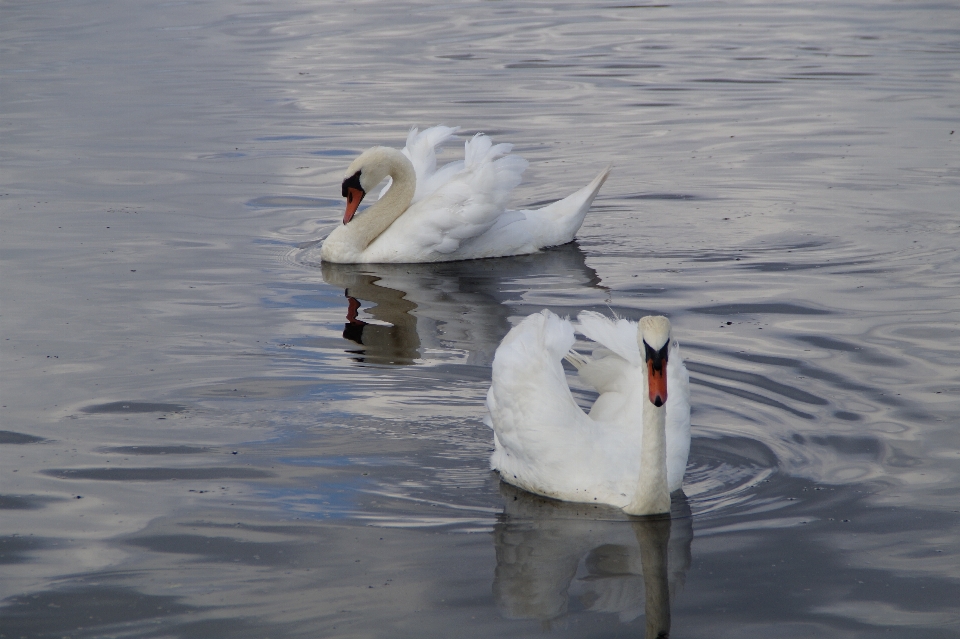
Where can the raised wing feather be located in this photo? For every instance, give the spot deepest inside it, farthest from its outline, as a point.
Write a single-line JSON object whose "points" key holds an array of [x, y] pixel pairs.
{"points": [[421, 150], [468, 203], [618, 336]]}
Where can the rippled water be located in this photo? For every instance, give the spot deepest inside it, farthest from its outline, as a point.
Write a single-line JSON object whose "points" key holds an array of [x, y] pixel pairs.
{"points": [[208, 434]]}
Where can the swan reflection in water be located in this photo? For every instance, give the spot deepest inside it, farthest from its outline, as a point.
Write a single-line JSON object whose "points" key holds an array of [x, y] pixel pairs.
{"points": [[550, 551], [461, 306]]}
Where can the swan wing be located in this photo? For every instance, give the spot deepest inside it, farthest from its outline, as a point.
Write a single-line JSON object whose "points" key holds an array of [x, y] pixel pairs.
{"points": [[544, 443], [617, 335], [465, 206], [604, 371], [678, 418], [421, 150]]}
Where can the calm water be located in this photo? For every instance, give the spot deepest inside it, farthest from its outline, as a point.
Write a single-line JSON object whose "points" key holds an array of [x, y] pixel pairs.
{"points": [[198, 442]]}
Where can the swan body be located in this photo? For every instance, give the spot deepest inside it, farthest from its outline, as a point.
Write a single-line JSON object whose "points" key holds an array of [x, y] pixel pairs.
{"points": [[628, 452], [457, 212]]}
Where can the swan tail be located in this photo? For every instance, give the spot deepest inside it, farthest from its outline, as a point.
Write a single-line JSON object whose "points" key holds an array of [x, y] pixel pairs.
{"points": [[561, 220]]}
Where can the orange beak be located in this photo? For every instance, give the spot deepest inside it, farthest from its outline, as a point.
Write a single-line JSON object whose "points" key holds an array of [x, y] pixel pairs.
{"points": [[657, 381], [354, 196]]}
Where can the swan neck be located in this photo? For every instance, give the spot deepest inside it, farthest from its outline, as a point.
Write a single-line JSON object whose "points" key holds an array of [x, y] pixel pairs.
{"points": [[378, 217], [653, 495]]}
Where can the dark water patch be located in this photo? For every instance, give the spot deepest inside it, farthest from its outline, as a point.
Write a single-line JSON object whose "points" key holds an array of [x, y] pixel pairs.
{"points": [[775, 267], [652, 291], [292, 201], [755, 397], [850, 446], [784, 308], [807, 370], [334, 153], [262, 388], [14, 549], [876, 599], [847, 416], [538, 64], [829, 343], [832, 74], [625, 65], [735, 81], [744, 255], [541, 203], [283, 138], [641, 6], [767, 360], [490, 101], [664, 196], [733, 451], [220, 549], [650, 105], [112, 408], [156, 450], [864, 354], [88, 611], [156, 474], [13, 437], [899, 458], [759, 381], [24, 502]]}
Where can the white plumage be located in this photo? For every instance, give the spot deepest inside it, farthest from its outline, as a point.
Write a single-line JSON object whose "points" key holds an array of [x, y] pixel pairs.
{"points": [[457, 212], [546, 444]]}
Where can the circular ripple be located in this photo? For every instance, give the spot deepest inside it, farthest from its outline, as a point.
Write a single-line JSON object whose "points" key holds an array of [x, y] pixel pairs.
{"points": [[723, 471]]}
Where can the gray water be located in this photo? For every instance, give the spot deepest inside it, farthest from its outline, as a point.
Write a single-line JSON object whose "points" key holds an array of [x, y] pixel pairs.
{"points": [[198, 442]]}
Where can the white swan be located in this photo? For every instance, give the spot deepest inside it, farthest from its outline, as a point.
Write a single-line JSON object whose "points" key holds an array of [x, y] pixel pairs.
{"points": [[630, 451], [454, 213]]}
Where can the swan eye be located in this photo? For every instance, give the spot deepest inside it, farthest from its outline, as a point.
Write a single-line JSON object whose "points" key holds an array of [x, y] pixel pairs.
{"points": [[352, 182]]}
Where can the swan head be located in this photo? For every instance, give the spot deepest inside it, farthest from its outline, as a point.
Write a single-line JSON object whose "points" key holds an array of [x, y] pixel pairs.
{"points": [[654, 338], [365, 173]]}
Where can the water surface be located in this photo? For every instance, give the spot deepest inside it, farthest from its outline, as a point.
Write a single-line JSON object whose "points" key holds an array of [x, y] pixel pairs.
{"points": [[207, 434]]}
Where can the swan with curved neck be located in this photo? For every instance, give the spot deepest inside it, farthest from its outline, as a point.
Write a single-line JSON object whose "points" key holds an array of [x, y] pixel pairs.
{"points": [[365, 173], [630, 451], [455, 213]]}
